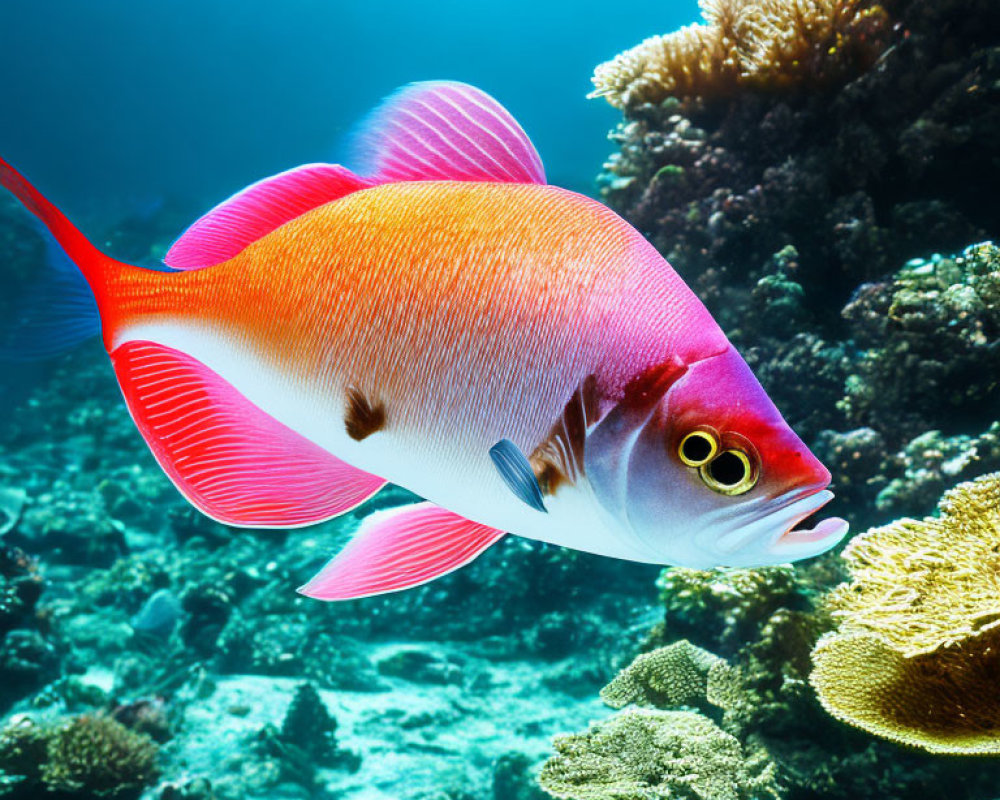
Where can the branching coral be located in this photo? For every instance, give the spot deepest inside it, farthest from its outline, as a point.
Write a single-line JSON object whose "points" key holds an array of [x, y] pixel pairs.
{"points": [[647, 755], [86, 756], [767, 44], [917, 654]]}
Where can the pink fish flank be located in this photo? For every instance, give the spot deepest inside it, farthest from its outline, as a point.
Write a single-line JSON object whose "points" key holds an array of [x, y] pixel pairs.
{"points": [[514, 353]]}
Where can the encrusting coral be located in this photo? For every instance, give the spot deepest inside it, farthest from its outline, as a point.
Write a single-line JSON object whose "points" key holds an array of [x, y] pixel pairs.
{"points": [[917, 654], [748, 43], [643, 754], [930, 335], [723, 609]]}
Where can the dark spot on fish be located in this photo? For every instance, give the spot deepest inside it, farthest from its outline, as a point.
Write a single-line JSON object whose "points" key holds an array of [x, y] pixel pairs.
{"points": [[363, 418]]}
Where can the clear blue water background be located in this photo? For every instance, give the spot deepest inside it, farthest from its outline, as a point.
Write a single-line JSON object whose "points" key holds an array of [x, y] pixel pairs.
{"points": [[118, 103]]}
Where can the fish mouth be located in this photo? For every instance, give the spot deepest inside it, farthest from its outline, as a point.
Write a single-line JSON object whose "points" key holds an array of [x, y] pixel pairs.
{"points": [[791, 543], [773, 538]]}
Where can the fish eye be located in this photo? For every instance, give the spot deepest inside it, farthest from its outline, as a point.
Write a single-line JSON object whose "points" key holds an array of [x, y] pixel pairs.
{"points": [[697, 448], [731, 472]]}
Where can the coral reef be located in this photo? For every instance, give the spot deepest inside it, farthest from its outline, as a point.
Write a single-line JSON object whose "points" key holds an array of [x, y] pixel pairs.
{"points": [[721, 186], [748, 44], [643, 754], [82, 757], [917, 653], [761, 695], [723, 609], [676, 675], [932, 334], [806, 216]]}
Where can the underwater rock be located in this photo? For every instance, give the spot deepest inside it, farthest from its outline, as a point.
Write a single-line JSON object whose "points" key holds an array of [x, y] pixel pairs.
{"points": [[11, 506], [309, 726], [198, 789], [917, 653], [420, 666], [27, 662], [158, 615], [641, 753], [147, 715], [513, 778]]}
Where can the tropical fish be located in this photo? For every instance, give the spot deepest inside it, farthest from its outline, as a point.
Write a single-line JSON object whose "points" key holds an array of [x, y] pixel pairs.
{"points": [[514, 353]]}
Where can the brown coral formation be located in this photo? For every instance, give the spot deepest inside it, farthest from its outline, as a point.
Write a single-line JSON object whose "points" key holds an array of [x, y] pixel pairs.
{"points": [[763, 44], [917, 656]]}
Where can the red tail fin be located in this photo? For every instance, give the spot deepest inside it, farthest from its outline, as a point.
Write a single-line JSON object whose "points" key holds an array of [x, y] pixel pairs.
{"points": [[94, 265]]}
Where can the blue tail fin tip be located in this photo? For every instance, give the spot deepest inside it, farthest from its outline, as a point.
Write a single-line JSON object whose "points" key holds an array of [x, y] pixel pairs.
{"points": [[54, 314]]}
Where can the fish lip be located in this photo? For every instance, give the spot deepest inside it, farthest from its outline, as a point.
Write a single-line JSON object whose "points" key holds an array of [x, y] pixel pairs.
{"points": [[796, 544], [778, 543]]}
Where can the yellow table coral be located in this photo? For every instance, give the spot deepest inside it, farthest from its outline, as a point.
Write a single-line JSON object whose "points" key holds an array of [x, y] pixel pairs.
{"points": [[916, 658]]}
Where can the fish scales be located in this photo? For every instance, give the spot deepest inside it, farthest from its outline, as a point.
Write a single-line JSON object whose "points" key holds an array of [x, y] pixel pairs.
{"points": [[469, 310]]}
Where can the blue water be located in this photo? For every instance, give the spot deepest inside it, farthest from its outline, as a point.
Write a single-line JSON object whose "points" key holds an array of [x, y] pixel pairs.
{"points": [[123, 102]]}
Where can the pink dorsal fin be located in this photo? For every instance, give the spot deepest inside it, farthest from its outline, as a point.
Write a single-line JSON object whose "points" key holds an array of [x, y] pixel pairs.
{"points": [[445, 130], [257, 210], [231, 460], [400, 548]]}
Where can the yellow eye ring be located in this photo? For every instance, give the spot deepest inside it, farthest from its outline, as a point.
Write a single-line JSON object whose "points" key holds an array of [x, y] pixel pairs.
{"points": [[697, 448], [730, 473]]}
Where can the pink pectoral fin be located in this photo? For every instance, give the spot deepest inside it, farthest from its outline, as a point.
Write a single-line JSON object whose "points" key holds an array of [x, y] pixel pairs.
{"points": [[400, 548], [230, 459], [259, 209]]}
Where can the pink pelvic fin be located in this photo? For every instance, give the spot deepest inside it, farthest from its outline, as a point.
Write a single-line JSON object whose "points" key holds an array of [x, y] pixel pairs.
{"points": [[257, 210], [400, 548], [231, 460], [445, 131]]}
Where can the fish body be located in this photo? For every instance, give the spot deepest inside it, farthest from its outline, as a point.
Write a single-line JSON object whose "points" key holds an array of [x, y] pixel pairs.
{"points": [[469, 311], [330, 332]]}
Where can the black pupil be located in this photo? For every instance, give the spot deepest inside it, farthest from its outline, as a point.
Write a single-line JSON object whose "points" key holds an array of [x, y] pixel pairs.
{"points": [[728, 469], [697, 448]]}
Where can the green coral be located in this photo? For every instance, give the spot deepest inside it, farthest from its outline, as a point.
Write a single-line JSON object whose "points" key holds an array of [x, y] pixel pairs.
{"points": [[642, 754], [85, 756], [933, 342], [676, 675], [722, 609]]}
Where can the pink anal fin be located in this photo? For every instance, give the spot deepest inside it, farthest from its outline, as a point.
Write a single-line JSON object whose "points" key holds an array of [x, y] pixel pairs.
{"points": [[259, 209], [400, 548], [445, 131], [230, 459]]}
